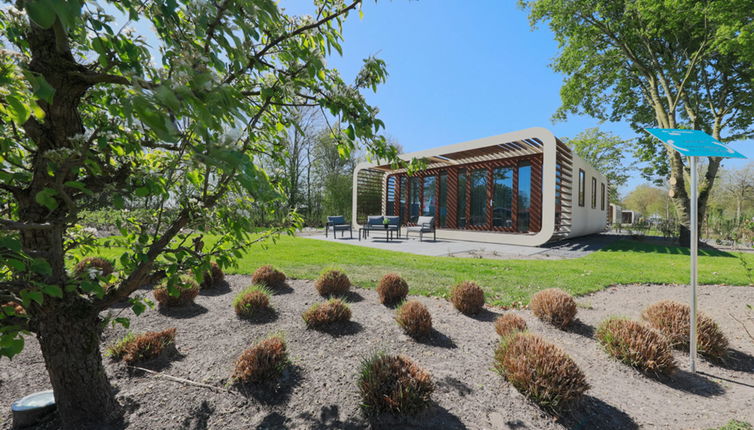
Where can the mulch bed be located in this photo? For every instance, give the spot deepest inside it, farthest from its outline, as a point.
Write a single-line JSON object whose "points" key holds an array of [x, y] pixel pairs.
{"points": [[319, 390]]}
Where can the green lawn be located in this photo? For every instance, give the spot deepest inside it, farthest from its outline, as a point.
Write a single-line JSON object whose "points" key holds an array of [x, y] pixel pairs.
{"points": [[624, 262]]}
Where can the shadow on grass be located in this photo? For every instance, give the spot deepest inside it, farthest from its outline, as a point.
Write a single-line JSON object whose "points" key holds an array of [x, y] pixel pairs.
{"points": [[182, 312], [593, 413], [274, 392], [692, 383], [635, 246], [437, 339], [217, 289]]}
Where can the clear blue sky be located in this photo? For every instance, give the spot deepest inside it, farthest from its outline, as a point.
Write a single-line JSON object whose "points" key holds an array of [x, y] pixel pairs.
{"points": [[461, 70]]}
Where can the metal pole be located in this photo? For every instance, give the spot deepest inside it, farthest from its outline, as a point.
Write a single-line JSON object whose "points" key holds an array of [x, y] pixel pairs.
{"points": [[694, 243]]}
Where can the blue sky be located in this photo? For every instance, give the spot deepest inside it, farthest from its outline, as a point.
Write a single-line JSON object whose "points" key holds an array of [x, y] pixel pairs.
{"points": [[461, 70]]}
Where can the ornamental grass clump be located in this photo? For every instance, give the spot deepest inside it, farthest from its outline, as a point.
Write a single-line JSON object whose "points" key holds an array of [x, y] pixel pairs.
{"points": [[540, 370], [186, 290], [253, 301], [509, 323], [213, 276], [392, 289], [144, 347], [467, 297], [332, 283], [672, 319], [326, 313], [263, 362], [554, 306], [636, 345], [414, 319], [395, 384], [268, 276], [94, 267]]}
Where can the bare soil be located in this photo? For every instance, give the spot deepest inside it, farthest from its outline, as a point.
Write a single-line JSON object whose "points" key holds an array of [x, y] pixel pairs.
{"points": [[319, 390]]}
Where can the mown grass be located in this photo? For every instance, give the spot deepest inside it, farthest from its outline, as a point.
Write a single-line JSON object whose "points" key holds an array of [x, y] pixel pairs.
{"points": [[504, 281]]}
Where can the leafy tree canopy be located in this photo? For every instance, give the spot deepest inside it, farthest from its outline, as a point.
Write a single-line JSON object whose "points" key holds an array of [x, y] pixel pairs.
{"points": [[607, 153]]}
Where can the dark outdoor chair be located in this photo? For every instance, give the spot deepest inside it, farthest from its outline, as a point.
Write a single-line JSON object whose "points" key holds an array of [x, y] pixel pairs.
{"points": [[338, 223], [425, 224], [394, 224], [374, 222]]}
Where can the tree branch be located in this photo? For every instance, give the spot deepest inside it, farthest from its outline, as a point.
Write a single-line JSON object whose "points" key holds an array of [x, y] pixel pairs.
{"points": [[6, 224]]}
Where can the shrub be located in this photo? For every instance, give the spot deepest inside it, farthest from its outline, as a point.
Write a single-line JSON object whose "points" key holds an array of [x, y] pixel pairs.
{"points": [[138, 348], [394, 384], [329, 312], [186, 287], [636, 345], [12, 308], [262, 362], [213, 276], [332, 282], [268, 276], [735, 425], [554, 306], [414, 318], [467, 297], [509, 323], [673, 320], [392, 289], [540, 370], [98, 265], [252, 301]]}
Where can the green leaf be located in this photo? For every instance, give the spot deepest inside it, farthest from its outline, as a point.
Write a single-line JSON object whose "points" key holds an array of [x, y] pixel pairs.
{"points": [[42, 89], [79, 186], [41, 12], [18, 110], [67, 11], [11, 243], [41, 266], [125, 322], [15, 264], [11, 345], [142, 191], [118, 201], [53, 290], [45, 198]]}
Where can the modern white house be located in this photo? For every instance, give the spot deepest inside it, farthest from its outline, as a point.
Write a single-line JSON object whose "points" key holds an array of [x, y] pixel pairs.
{"points": [[522, 188]]}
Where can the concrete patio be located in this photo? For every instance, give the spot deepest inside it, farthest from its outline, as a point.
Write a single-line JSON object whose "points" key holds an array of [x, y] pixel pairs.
{"points": [[572, 248]]}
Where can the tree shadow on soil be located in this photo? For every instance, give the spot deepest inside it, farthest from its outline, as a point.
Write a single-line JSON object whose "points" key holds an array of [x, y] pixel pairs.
{"points": [[217, 289], [199, 418], [183, 312], [692, 383], [593, 413], [329, 418], [437, 339], [580, 328], [434, 417], [484, 315], [345, 328], [274, 392]]}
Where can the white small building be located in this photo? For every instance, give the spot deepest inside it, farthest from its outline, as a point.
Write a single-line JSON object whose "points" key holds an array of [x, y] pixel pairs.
{"points": [[523, 188]]}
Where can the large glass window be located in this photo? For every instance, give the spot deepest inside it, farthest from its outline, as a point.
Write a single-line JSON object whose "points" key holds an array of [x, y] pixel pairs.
{"points": [[582, 186], [594, 193], [414, 202], [602, 196], [429, 203], [462, 198], [404, 199], [443, 201], [524, 196], [502, 197], [478, 197], [390, 203]]}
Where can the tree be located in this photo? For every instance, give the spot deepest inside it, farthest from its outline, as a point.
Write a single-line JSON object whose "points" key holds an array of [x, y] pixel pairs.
{"points": [[89, 115], [646, 200], [606, 152], [738, 186], [672, 64]]}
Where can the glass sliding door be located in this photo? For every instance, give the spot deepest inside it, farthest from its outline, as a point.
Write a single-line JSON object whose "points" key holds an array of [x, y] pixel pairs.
{"points": [[462, 198], [524, 196], [502, 197], [429, 197], [443, 200], [414, 203], [404, 199], [478, 197]]}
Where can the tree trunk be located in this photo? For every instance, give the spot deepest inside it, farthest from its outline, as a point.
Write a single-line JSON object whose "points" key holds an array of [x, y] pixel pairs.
{"points": [[70, 346]]}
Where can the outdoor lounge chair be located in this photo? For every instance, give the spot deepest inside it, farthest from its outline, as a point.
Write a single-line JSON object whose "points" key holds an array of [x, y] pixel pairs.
{"points": [[374, 222], [394, 224], [338, 223], [425, 224]]}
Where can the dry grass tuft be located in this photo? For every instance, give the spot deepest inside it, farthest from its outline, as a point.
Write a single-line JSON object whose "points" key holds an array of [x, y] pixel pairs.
{"points": [[636, 345], [467, 297], [139, 348], [332, 283], [673, 320], [392, 289], [414, 318], [329, 312], [268, 276], [263, 362], [252, 301], [213, 276], [540, 370], [94, 265], [394, 384], [187, 290], [554, 306], [509, 323]]}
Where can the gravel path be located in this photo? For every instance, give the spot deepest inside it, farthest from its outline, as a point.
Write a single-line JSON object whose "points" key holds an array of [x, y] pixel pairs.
{"points": [[320, 392]]}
